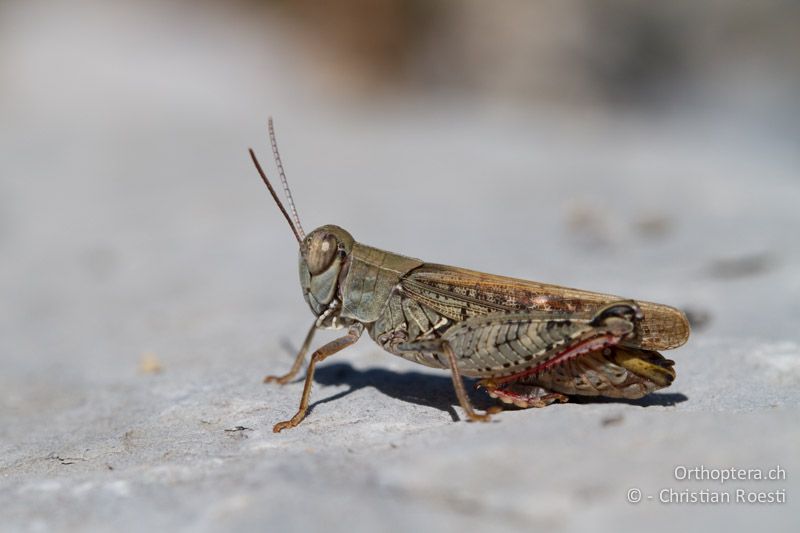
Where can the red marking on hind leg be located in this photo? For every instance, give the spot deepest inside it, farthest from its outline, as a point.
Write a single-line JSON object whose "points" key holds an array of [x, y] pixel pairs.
{"points": [[580, 348]]}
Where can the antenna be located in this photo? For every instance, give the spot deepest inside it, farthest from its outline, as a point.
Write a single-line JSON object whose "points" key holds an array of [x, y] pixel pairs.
{"points": [[275, 197], [282, 174]]}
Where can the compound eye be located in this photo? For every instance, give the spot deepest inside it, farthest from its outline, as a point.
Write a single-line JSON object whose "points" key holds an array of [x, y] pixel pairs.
{"points": [[321, 252]]}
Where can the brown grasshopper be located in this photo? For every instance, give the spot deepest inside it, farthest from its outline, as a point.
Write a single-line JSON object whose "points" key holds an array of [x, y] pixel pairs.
{"points": [[531, 343]]}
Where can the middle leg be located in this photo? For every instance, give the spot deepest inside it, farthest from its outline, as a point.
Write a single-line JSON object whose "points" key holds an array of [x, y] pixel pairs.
{"points": [[443, 347]]}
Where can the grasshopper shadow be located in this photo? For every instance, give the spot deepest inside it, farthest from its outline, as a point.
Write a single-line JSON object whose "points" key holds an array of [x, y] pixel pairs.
{"points": [[663, 399], [430, 390]]}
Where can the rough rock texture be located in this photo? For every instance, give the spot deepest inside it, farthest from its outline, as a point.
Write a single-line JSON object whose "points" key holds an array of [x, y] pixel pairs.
{"points": [[134, 235]]}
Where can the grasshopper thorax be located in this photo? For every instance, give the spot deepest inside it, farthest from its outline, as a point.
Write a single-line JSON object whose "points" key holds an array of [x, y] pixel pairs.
{"points": [[323, 262]]}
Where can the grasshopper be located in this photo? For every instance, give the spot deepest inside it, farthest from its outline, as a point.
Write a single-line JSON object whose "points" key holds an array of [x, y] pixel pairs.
{"points": [[532, 344]]}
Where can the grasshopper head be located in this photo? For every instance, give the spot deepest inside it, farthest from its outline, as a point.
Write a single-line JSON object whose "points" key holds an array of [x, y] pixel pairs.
{"points": [[323, 252], [323, 256]]}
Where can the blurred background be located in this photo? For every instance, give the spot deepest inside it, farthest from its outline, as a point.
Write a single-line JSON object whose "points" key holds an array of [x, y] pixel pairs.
{"points": [[554, 140], [648, 149]]}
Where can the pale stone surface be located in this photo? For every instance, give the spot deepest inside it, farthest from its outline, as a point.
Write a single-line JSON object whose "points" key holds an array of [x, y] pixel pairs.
{"points": [[133, 229]]}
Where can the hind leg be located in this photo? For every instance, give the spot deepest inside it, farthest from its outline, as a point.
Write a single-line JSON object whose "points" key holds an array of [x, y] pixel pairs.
{"points": [[521, 394]]}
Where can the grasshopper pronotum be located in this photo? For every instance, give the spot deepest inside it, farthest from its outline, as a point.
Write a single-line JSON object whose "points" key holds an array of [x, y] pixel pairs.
{"points": [[531, 343]]}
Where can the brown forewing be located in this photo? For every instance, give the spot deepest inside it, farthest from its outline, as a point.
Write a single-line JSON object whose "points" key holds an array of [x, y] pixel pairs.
{"points": [[458, 293]]}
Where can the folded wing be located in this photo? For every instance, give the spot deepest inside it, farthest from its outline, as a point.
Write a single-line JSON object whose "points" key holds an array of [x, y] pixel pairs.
{"points": [[460, 294]]}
